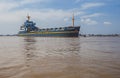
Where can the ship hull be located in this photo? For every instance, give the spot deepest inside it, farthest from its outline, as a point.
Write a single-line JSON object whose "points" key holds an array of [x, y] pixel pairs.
{"points": [[68, 32], [53, 34]]}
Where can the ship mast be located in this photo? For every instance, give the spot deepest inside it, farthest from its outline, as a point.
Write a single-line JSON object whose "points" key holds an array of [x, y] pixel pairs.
{"points": [[73, 20], [28, 17]]}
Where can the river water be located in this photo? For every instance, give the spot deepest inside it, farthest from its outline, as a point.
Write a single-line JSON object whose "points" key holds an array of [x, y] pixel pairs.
{"points": [[45, 57]]}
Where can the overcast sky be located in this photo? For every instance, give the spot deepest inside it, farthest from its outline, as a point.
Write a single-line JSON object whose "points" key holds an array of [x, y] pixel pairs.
{"points": [[94, 16]]}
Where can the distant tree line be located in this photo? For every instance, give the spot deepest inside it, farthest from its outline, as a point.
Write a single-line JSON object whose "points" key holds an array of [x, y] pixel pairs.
{"points": [[100, 35]]}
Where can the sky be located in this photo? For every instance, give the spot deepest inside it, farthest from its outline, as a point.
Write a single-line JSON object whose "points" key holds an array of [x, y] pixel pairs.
{"points": [[94, 16]]}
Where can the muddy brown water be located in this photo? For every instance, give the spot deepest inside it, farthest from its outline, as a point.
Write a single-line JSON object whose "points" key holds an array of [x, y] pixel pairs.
{"points": [[45, 57]]}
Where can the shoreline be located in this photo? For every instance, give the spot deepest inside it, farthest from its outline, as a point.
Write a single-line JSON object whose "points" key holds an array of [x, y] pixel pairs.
{"points": [[83, 35]]}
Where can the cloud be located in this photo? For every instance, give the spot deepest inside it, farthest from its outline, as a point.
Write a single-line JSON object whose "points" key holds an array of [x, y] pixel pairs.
{"points": [[32, 1], [77, 1], [29, 1], [92, 15], [88, 21], [66, 19], [107, 23], [91, 5], [7, 6]]}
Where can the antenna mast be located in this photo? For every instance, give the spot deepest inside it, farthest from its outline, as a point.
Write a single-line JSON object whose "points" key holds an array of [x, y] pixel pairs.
{"points": [[28, 17], [73, 20]]}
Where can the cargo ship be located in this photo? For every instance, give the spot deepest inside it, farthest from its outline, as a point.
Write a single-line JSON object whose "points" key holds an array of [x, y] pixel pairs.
{"points": [[29, 28]]}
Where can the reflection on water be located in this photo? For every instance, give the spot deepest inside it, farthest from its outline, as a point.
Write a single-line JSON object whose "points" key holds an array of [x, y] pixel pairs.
{"points": [[29, 48], [41, 57], [53, 57]]}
